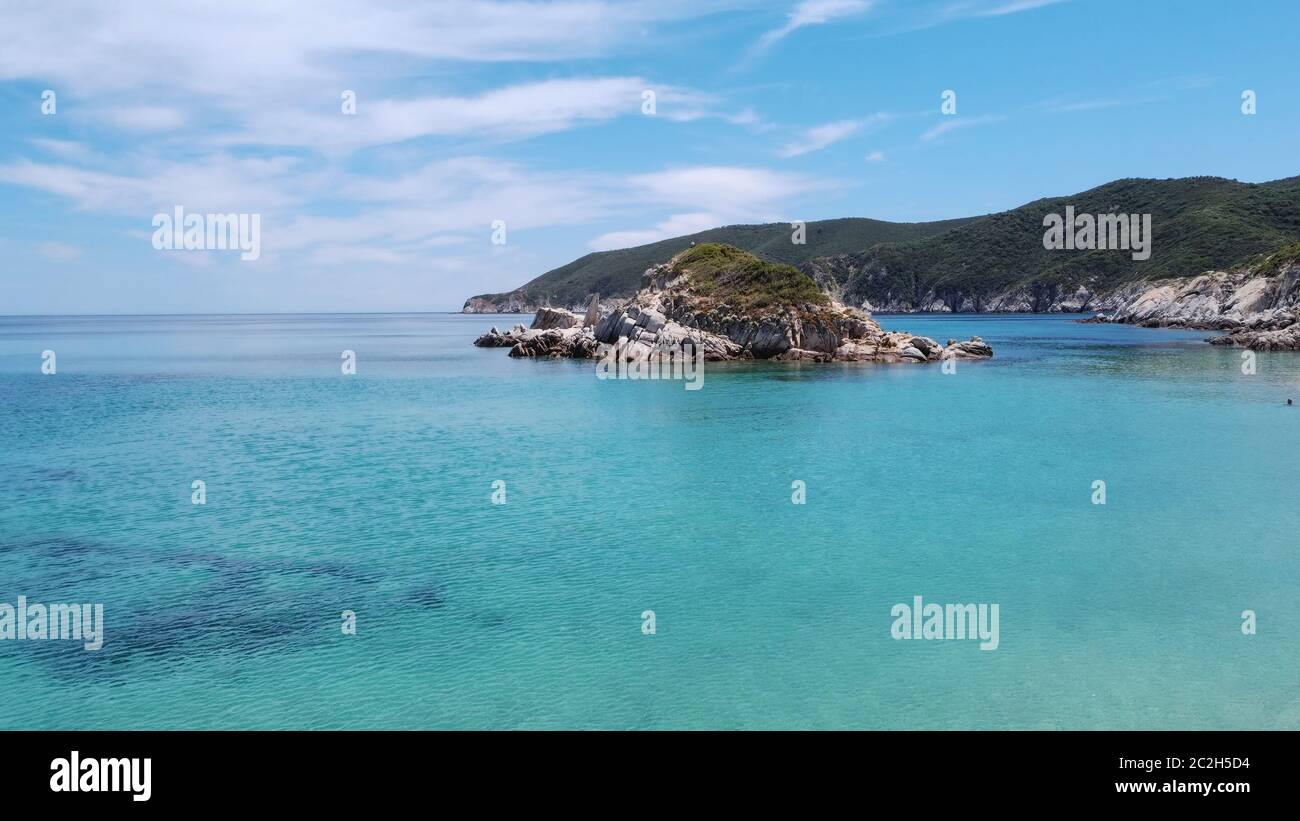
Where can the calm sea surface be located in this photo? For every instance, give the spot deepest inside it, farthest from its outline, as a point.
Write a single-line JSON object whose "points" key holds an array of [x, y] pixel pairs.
{"points": [[372, 493]]}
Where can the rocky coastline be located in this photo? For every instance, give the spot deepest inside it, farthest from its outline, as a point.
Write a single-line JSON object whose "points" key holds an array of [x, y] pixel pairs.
{"points": [[1258, 306], [1255, 306]]}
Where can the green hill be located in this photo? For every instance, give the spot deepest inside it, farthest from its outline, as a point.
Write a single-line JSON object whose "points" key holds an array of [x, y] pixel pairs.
{"points": [[618, 273], [1198, 223]]}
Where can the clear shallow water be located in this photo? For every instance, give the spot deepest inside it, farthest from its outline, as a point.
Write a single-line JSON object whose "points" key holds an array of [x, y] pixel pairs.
{"points": [[372, 493]]}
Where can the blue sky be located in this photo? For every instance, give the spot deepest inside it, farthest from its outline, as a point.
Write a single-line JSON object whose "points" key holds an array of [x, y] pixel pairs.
{"points": [[531, 113]]}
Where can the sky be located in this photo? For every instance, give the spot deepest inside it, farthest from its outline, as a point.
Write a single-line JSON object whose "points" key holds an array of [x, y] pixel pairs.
{"points": [[470, 116]]}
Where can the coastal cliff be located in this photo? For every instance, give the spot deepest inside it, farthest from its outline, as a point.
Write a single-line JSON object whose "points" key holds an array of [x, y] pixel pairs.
{"points": [[730, 305], [853, 279], [1258, 304]]}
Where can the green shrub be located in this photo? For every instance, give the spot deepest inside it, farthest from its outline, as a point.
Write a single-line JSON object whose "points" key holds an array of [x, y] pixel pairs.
{"points": [[727, 274]]}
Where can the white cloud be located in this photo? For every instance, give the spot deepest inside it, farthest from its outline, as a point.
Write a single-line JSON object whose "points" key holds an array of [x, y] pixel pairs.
{"points": [[411, 216], [921, 14], [675, 226], [955, 123], [353, 255], [87, 189], [685, 105], [815, 139], [212, 183], [59, 251], [876, 156], [819, 137], [392, 208], [1060, 107], [725, 189], [509, 113], [96, 47], [145, 117], [64, 149], [811, 13], [715, 195], [444, 203], [1015, 6], [749, 118], [294, 61]]}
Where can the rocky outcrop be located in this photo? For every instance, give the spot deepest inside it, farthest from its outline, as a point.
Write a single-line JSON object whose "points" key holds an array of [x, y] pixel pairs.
{"points": [[1258, 306], [1216, 300], [668, 310], [554, 332], [496, 339], [644, 324], [671, 310], [556, 343], [1282, 339], [571, 342], [548, 318]]}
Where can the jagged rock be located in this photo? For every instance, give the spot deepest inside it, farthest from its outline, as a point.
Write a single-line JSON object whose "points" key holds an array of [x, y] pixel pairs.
{"points": [[548, 318], [1279, 339], [926, 345], [496, 339], [652, 320], [657, 278], [1216, 300], [568, 343], [976, 348], [492, 339], [856, 351]]}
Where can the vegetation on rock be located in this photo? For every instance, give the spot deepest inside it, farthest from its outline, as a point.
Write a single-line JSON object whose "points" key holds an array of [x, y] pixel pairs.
{"points": [[726, 274]]}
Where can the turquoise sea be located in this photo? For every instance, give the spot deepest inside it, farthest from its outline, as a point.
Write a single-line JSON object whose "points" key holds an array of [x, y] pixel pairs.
{"points": [[373, 493]]}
